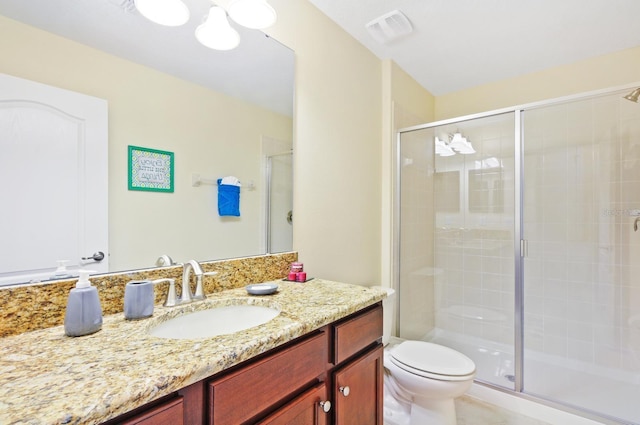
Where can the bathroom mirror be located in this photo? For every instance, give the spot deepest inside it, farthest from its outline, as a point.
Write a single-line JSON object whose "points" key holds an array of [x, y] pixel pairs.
{"points": [[220, 113]]}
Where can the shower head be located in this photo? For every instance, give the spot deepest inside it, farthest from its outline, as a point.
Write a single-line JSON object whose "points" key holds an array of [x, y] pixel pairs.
{"points": [[633, 96]]}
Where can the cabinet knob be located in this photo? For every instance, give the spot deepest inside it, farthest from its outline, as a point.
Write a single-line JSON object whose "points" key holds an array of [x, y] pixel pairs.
{"points": [[345, 391], [326, 406]]}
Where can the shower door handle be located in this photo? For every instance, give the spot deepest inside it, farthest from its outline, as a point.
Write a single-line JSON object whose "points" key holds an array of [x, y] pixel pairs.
{"points": [[524, 248]]}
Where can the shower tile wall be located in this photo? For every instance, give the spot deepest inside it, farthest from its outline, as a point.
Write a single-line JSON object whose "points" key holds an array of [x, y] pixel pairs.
{"points": [[582, 186]]}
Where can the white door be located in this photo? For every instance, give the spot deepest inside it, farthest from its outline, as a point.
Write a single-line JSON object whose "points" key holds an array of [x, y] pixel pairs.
{"points": [[53, 169]]}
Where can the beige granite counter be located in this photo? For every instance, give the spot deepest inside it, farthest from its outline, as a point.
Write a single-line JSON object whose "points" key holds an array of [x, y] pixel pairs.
{"points": [[48, 378], [42, 305]]}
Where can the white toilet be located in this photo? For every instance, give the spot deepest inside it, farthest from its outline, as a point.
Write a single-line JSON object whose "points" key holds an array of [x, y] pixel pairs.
{"points": [[421, 378]]}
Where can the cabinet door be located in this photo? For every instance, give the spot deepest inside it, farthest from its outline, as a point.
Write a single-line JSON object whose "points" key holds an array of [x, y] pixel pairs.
{"points": [[358, 390], [310, 408], [169, 413]]}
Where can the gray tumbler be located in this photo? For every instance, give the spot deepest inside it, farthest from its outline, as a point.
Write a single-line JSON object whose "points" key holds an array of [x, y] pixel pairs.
{"points": [[138, 299]]}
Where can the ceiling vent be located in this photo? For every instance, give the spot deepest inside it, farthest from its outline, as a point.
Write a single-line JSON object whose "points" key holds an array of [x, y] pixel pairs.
{"points": [[389, 27]]}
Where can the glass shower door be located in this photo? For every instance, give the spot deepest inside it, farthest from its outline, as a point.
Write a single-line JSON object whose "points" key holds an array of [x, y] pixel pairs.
{"points": [[582, 271], [279, 237], [456, 240]]}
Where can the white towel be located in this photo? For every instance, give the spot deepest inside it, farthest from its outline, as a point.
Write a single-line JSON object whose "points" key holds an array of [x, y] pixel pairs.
{"points": [[230, 180]]}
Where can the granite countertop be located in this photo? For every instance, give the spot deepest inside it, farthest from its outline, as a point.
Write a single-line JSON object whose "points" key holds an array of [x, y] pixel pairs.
{"points": [[49, 378]]}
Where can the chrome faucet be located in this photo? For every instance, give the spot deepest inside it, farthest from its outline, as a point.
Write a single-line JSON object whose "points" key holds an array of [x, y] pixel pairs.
{"points": [[186, 295], [187, 268], [171, 299]]}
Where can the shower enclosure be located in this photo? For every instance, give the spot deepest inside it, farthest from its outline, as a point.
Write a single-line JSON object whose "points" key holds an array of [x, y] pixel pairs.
{"points": [[516, 246], [279, 202]]}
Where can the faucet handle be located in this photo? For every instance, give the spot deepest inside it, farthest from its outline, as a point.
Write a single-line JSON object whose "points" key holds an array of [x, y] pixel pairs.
{"points": [[171, 299], [164, 261], [199, 294]]}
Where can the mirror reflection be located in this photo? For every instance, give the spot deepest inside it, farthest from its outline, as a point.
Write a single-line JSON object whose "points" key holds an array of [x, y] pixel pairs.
{"points": [[220, 114]]}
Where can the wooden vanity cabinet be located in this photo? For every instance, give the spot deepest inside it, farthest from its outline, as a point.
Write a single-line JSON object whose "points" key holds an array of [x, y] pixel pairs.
{"points": [[357, 389], [331, 376], [247, 393], [354, 378], [170, 412], [357, 378], [311, 408]]}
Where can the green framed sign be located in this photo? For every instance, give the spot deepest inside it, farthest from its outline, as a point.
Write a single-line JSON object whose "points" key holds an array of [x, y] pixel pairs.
{"points": [[150, 169]]}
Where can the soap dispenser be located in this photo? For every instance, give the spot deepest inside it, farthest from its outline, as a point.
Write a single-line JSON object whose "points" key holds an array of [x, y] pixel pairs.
{"points": [[61, 272], [84, 313]]}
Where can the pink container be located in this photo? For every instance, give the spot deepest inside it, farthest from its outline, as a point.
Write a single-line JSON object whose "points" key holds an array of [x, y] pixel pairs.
{"points": [[297, 267], [292, 276], [301, 276]]}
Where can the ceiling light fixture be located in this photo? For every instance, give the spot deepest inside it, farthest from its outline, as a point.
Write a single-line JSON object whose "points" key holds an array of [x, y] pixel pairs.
{"points": [[461, 145], [255, 14], [171, 13], [457, 144], [633, 96], [442, 149], [216, 32]]}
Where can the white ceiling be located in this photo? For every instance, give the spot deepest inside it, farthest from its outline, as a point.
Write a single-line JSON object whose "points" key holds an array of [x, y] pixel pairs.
{"points": [[260, 70], [457, 44]]}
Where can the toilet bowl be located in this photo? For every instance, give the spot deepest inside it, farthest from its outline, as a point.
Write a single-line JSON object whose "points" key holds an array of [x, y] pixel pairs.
{"points": [[422, 379]]}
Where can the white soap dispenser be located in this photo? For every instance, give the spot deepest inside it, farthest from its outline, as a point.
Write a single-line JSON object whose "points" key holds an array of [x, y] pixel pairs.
{"points": [[61, 272], [84, 313]]}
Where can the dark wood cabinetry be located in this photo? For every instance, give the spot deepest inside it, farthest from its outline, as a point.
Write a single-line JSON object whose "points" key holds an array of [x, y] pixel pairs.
{"points": [[310, 408], [241, 396], [168, 413], [331, 376], [357, 389]]}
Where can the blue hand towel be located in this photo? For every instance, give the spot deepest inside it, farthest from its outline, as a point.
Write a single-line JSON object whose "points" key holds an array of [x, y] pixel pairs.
{"points": [[228, 199]]}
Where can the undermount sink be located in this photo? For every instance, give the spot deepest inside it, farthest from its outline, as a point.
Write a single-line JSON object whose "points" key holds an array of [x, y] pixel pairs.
{"points": [[214, 321]]}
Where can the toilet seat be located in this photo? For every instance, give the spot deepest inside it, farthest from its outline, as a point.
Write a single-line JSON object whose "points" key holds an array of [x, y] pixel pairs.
{"points": [[432, 361]]}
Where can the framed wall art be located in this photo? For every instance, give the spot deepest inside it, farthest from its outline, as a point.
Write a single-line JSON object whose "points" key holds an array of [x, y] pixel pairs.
{"points": [[150, 169]]}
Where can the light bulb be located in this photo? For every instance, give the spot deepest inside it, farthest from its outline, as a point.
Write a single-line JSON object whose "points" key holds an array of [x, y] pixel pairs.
{"points": [[171, 13], [255, 14], [216, 33]]}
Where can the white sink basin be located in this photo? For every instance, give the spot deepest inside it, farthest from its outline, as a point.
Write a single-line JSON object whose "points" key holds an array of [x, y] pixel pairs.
{"points": [[215, 321]]}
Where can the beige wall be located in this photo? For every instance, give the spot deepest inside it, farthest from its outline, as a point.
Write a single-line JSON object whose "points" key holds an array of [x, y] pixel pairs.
{"points": [[207, 131], [612, 70], [337, 146]]}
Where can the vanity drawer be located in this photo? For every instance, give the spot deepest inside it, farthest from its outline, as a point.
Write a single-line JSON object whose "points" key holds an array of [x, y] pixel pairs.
{"points": [[357, 333], [169, 413], [241, 395]]}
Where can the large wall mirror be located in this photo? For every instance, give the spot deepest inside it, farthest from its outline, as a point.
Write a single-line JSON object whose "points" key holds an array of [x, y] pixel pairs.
{"points": [[221, 113]]}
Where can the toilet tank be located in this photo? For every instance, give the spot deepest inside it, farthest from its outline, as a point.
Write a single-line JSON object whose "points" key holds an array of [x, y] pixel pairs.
{"points": [[388, 307]]}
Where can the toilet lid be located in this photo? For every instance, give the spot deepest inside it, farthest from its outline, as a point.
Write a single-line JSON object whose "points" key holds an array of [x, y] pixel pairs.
{"points": [[420, 356]]}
